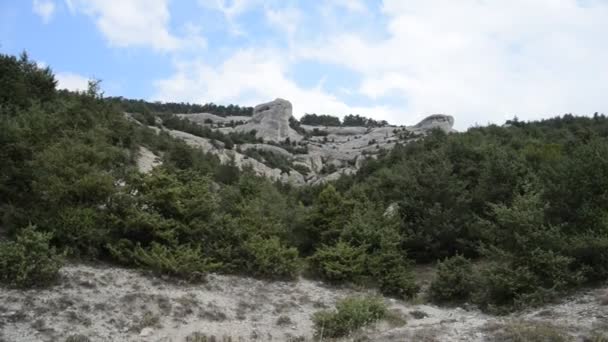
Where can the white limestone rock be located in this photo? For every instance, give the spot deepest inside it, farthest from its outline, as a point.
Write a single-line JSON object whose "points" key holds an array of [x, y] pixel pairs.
{"points": [[271, 122], [441, 121]]}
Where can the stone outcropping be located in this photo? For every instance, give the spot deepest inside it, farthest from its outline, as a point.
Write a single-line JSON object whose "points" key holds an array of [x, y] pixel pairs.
{"points": [[441, 121], [324, 153], [271, 122]]}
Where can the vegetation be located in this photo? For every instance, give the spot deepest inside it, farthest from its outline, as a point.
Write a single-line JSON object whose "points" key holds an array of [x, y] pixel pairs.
{"points": [[174, 122], [141, 106], [29, 261], [528, 332], [320, 120], [454, 281], [350, 315], [526, 203], [328, 120]]}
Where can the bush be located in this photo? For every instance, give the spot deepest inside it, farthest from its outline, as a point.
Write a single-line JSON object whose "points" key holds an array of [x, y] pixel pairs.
{"points": [[339, 262], [535, 280], [29, 261], [184, 261], [350, 314], [392, 272], [269, 258], [454, 280]]}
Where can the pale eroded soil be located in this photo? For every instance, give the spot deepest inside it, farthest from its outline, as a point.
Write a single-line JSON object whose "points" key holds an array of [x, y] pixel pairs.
{"points": [[114, 304]]}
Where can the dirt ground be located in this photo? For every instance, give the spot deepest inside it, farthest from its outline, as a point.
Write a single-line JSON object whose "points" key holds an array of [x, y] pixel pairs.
{"points": [[105, 303]]}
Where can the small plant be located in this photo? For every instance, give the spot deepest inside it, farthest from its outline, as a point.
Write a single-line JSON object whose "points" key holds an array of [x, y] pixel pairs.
{"points": [[528, 332], [29, 261], [284, 320], [147, 320], [454, 280], [77, 338], [351, 314]]}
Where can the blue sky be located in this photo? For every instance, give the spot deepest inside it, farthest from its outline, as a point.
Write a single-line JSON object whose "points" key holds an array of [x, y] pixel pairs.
{"points": [[397, 60]]}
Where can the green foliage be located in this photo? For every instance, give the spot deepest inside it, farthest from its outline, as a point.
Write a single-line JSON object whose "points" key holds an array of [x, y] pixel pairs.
{"points": [[528, 266], [527, 200], [29, 261], [22, 83], [271, 259], [357, 120], [141, 106], [455, 280], [339, 262], [327, 218], [184, 261], [319, 120], [351, 314]]}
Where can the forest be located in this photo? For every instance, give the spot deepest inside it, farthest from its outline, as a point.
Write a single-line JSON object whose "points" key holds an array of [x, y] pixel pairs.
{"points": [[513, 215]]}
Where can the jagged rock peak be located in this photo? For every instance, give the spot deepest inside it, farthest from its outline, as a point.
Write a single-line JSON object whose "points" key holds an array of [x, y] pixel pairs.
{"points": [[441, 121]]}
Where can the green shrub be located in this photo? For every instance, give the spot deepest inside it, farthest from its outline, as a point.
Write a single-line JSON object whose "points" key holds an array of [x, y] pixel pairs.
{"points": [[351, 314], [339, 262], [522, 282], [454, 280], [392, 272], [184, 261], [29, 261], [271, 259]]}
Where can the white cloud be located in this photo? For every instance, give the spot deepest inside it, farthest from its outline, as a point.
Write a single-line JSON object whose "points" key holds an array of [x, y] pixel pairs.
{"points": [[481, 60], [250, 77], [133, 23], [71, 81], [231, 10], [350, 5], [45, 9], [286, 19]]}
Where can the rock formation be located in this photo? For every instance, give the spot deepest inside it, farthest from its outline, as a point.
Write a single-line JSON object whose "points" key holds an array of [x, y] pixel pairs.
{"points": [[271, 122], [329, 151], [441, 121]]}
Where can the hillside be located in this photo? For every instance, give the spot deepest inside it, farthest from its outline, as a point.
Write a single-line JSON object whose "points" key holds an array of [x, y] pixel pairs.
{"points": [[508, 218], [276, 146]]}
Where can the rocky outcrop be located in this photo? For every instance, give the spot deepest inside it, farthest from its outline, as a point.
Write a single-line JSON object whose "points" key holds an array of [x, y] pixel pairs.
{"points": [[271, 122], [146, 160], [331, 151], [441, 121]]}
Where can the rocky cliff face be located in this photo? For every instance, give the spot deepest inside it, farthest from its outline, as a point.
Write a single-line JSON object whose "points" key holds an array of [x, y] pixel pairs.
{"points": [[271, 122], [317, 154]]}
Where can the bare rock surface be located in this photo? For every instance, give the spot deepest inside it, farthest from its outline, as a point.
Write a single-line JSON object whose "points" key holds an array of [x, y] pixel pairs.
{"points": [[147, 160], [113, 304], [271, 122], [329, 152]]}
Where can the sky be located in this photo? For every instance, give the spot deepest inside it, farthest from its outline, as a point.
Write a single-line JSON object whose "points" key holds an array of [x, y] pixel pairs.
{"points": [[481, 61]]}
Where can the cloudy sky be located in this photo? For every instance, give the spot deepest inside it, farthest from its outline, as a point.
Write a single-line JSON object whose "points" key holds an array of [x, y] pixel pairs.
{"points": [[481, 61]]}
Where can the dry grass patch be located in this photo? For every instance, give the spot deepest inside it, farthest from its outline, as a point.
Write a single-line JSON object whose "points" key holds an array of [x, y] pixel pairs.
{"points": [[521, 331]]}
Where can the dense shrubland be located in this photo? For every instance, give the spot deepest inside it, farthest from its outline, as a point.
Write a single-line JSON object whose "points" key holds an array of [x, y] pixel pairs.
{"points": [[519, 210]]}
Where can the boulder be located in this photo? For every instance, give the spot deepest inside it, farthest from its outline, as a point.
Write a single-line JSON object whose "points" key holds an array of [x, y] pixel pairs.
{"points": [[441, 121], [271, 122]]}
